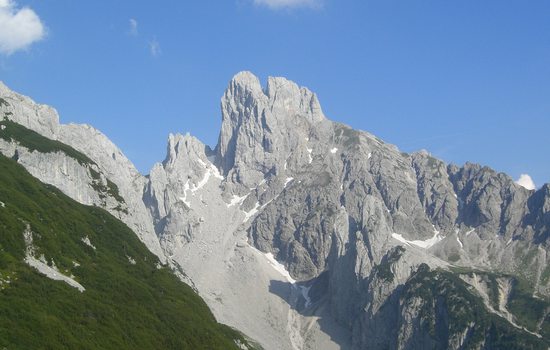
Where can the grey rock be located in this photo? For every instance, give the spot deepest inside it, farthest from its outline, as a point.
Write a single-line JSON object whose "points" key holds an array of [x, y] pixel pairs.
{"points": [[435, 191], [38, 117], [75, 179], [263, 131], [469, 216], [304, 233]]}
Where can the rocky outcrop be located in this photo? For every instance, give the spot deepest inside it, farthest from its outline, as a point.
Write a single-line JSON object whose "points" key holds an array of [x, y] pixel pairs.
{"points": [[38, 117], [491, 202], [201, 225], [171, 185], [538, 217], [83, 183], [90, 179], [305, 233], [435, 191], [265, 132]]}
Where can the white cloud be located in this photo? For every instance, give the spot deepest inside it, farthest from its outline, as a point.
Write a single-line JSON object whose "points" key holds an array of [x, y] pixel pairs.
{"points": [[154, 47], [133, 26], [19, 28], [526, 181], [279, 4], [153, 44]]}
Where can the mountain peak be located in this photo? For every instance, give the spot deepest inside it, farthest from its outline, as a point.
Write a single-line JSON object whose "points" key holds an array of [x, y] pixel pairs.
{"points": [[281, 94], [246, 79], [259, 125], [244, 85], [23, 110], [286, 97], [184, 148]]}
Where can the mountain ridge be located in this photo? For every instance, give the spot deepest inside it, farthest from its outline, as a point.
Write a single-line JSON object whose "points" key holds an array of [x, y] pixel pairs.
{"points": [[331, 205]]}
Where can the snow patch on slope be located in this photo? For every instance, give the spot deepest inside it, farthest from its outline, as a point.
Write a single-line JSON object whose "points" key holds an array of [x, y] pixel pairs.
{"points": [[252, 212], [211, 171], [237, 200], [459, 241], [288, 179], [279, 267], [422, 244], [184, 198]]}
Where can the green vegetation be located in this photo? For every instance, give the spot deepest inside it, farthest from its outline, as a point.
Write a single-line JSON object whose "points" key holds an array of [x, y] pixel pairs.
{"points": [[454, 256], [111, 189], [490, 278], [494, 294], [383, 270], [526, 264], [124, 306], [449, 308], [36, 142], [545, 276], [529, 311]]}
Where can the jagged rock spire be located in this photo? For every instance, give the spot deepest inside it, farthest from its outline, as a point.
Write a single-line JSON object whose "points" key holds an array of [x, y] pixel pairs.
{"points": [[261, 127]]}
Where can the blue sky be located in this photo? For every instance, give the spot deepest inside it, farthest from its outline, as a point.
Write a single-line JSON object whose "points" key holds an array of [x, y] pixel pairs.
{"points": [[467, 80]]}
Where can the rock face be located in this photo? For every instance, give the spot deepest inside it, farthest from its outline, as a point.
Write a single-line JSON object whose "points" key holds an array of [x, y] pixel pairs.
{"points": [[348, 215], [83, 179], [306, 234], [264, 133]]}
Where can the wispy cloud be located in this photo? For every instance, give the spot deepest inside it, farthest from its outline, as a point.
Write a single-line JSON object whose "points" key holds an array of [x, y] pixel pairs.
{"points": [[154, 48], [153, 44], [133, 27], [19, 28], [281, 4], [526, 181]]}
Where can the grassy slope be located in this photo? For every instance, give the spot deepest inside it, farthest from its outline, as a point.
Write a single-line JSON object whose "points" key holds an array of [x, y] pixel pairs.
{"points": [[125, 306]]}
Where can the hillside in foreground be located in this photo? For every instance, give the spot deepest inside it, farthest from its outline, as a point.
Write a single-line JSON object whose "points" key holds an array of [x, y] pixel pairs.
{"points": [[105, 289]]}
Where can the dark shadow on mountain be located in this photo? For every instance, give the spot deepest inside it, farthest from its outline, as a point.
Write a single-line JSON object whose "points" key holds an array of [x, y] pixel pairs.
{"points": [[281, 289], [309, 298], [538, 217]]}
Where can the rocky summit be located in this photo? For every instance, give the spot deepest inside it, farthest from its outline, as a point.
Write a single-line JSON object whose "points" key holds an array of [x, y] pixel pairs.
{"points": [[303, 233]]}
